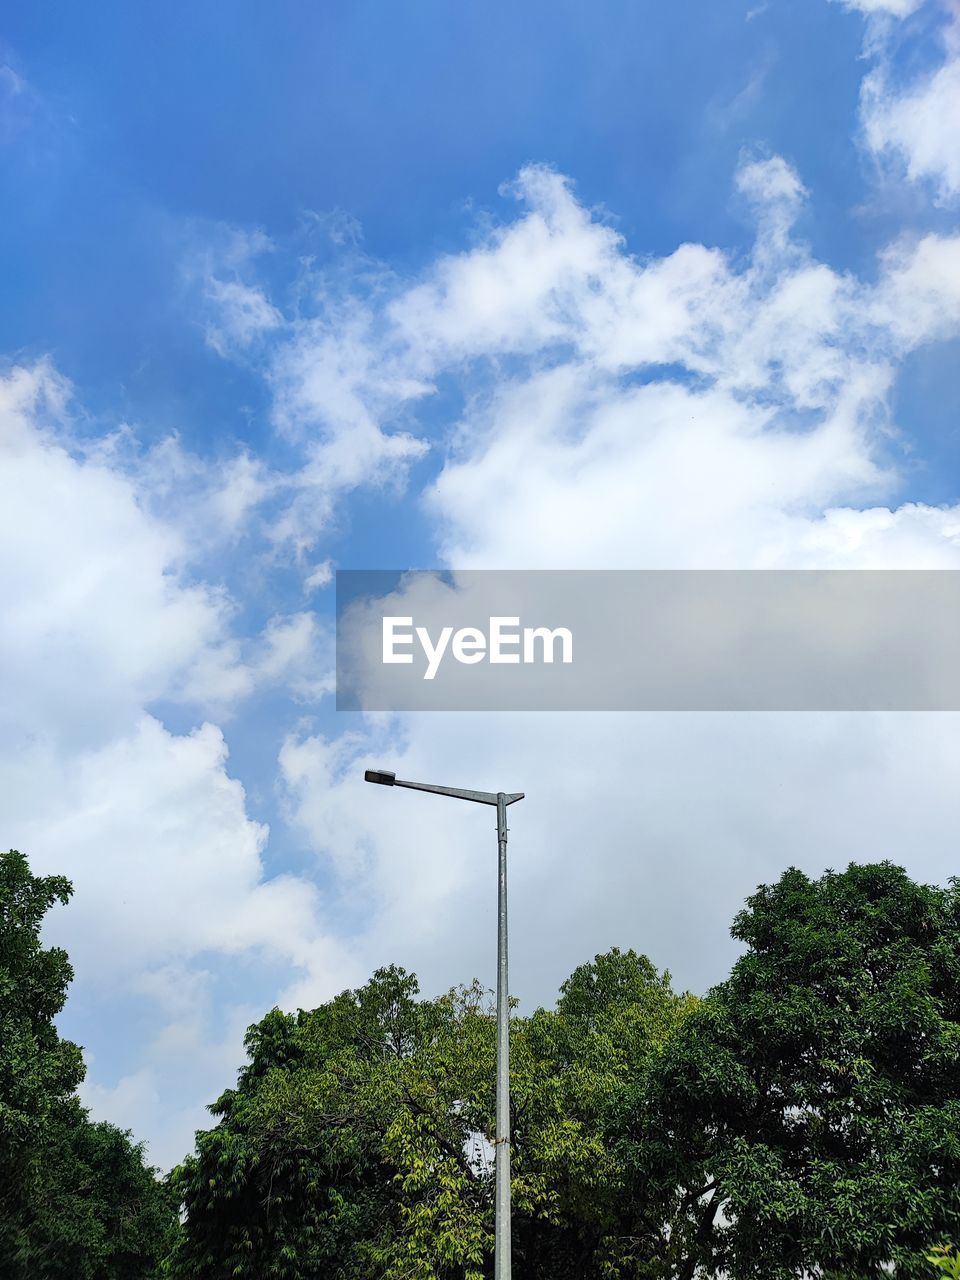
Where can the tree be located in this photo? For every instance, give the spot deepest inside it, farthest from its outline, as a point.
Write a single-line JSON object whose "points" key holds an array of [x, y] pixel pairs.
{"points": [[946, 1261], [97, 1211], [806, 1119], [291, 1182], [353, 1144], [576, 1064], [38, 1070], [77, 1201]]}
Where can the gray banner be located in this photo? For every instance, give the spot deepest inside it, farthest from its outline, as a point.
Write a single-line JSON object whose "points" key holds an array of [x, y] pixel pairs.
{"points": [[581, 640]]}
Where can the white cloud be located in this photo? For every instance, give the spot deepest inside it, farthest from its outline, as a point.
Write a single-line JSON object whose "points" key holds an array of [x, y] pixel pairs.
{"points": [[519, 292], [917, 126], [918, 299], [893, 8], [771, 180], [757, 345], [910, 127], [92, 584], [687, 411], [244, 312], [103, 617], [170, 895], [345, 459], [337, 392], [237, 310], [643, 831], [212, 505], [769, 409], [320, 576], [297, 651], [695, 409]]}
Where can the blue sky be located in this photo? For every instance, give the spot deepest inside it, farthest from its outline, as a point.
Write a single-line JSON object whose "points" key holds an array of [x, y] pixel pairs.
{"points": [[151, 129], [369, 285]]}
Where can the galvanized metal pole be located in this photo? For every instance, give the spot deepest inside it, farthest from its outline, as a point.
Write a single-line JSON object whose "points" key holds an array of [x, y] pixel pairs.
{"points": [[387, 778], [502, 1260]]}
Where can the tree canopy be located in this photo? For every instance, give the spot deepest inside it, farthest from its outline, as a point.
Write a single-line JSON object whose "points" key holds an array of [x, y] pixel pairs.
{"points": [[38, 1070], [806, 1119], [801, 1120], [356, 1142], [77, 1201]]}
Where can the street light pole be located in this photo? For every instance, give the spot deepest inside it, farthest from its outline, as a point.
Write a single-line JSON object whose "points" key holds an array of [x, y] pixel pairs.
{"points": [[502, 1260], [502, 1254]]}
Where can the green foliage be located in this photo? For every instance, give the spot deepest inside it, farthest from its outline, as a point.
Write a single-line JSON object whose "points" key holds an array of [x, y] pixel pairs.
{"points": [[576, 1065], [292, 1182], [802, 1120], [946, 1260], [347, 1148], [38, 1070], [806, 1120], [76, 1200], [96, 1211]]}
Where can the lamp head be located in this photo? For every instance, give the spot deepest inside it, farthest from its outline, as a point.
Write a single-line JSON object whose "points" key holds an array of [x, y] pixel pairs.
{"points": [[383, 776]]}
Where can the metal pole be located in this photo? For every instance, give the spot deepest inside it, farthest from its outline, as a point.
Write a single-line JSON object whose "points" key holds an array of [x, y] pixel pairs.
{"points": [[502, 1260], [387, 778]]}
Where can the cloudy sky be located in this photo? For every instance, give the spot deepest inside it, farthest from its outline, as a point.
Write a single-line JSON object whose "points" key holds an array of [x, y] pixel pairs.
{"points": [[365, 285]]}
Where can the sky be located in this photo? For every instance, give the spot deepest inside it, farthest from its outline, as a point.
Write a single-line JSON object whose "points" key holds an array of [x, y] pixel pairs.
{"points": [[356, 285]]}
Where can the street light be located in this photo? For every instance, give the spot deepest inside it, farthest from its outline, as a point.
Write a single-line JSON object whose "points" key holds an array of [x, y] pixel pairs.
{"points": [[384, 778]]}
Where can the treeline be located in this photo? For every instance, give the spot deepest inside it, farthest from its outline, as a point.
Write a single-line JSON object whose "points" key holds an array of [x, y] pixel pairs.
{"points": [[802, 1119]]}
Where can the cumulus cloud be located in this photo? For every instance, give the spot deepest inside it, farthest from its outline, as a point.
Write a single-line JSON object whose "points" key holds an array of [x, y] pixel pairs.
{"points": [[91, 583], [644, 831], [701, 408], [757, 349], [771, 180], [917, 125], [685, 410], [910, 125], [103, 617], [694, 410], [165, 861]]}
